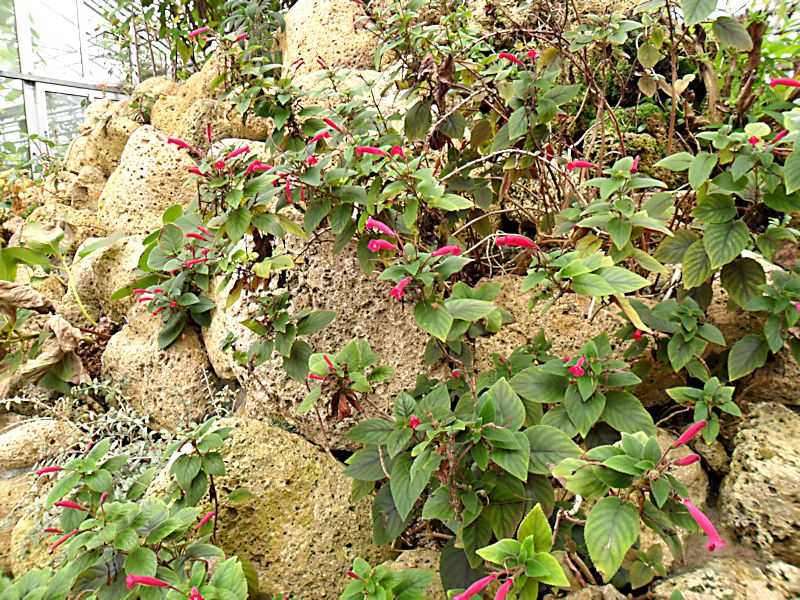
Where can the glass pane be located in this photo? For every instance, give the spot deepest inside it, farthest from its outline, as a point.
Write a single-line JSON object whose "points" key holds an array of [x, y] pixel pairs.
{"points": [[104, 58], [56, 38], [64, 116], [9, 55], [13, 146]]}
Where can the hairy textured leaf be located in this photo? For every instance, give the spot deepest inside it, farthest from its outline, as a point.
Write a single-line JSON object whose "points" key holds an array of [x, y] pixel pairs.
{"points": [[611, 529]]}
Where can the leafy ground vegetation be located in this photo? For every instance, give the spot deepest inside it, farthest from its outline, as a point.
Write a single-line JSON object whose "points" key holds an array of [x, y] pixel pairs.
{"points": [[641, 160]]}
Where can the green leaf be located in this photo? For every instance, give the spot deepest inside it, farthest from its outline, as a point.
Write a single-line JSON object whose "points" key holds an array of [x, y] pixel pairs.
{"points": [[450, 203], [454, 126], [696, 265], [695, 11], [229, 577], [171, 330], [537, 386], [732, 34], [715, 208], [518, 124], [105, 242], [700, 169], [237, 223], [742, 278], [498, 552], [791, 171], [725, 241], [514, 461], [62, 487], [316, 321], [584, 414], [535, 524], [141, 561], [435, 321], [648, 55], [386, 521], [406, 489], [747, 355], [467, 309], [676, 162], [620, 231], [625, 413], [622, 280], [611, 529], [509, 412], [591, 284], [555, 573], [672, 249], [549, 446]]}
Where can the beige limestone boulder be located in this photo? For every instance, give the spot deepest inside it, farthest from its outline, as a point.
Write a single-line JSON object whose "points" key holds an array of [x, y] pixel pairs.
{"points": [[156, 86], [334, 30], [172, 386], [188, 123], [364, 311], [47, 285], [85, 189], [760, 497], [421, 558], [593, 592], [733, 579], [22, 447], [100, 146], [150, 178], [301, 531], [99, 274]]}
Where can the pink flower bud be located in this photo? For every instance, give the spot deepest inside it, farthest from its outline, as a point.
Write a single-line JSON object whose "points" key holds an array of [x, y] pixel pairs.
{"points": [[686, 460], [195, 171], [635, 165], [398, 291], [195, 595], [69, 504], [238, 152], [714, 541], [330, 364], [577, 370], [239, 38], [360, 150], [315, 376], [206, 518], [324, 134], [196, 32], [40, 472], [352, 575], [195, 261], [103, 498], [208, 132], [637, 335], [196, 236], [780, 136], [52, 530], [144, 299], [504, 589], [531, 54], [378, 245], [220, 164], [380, 226], [173, 304], [519, 241], [331, 124], [159, 310], [455, 250], [178, 143], [397, 151], [784, 81], [414, 422], [797, 306], [455, 374], [476, 587], [690, 433], [132, 580], [139, 291], [61, 540], [312, 160], [580, 164], [511, 57]]}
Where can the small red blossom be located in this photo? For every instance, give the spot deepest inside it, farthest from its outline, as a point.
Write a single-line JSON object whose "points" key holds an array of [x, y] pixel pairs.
{"points": [[315, 376], [780, 136], [173, 304], [580, 164], [330, 364], [380, 226], [132, 580], [195, 171], [635, 165], [414, 422], [690, 433], [331, 124], [196, 32], [179, 143], [686, 460], [195, 261], [256, 167], [455, 250], [476, 587], [157, 291], [637, 335], [202, 229], [531, 54], [398, 290], [139, 291], [352, 575], [196, 236], [577, 370], [786, 81], [208, 132], [360, 150], [40, 472], [312, 160], [220, 164], [510, 57], [61, 540], [288, 190], [145, 299], [455, 374], [239, 38], [378, 245], [504, 589], [714, 541], [397, 151], [519, 241], [324, 134], [69, 504], [237, 152], [195, 595], [103, 498], [753, 141], [159, 310], [206, 518]]}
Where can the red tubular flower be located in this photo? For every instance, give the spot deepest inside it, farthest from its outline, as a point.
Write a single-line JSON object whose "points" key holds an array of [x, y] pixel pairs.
{"points": [[196, 32], [714, 541], [157, 291], [321, 62], [195, 595], [398, 290], [519, 241], [239, 38], [312, 160], [378, 245], [238, 152], [690, 433], [637, 335], [753, 140], [455, 374], [173, 304], [103, 498], [360, 150], [178, 143], [196, 236], [455, 250], [69, 504], [159, 310], [352, 575], [220, 164], [324, 134], [40, 472], [315, 376], [414, 422], [61, 540], [132, 580], [504, 589], [256, 167], [531, 54], [577, 369], [397, 151], [511, 57], [139, 291], [205, 251], [144, 299], [288, 190], [206, 518], [380, 226], [686, 460], [580, 164], [797, 306], [331, 124], [476, 587], [208, 132], [635, 165], [202, 229], [330, 364], [787, 81], [193, 262], [780, 136], [53, 530], [195, 171]]}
